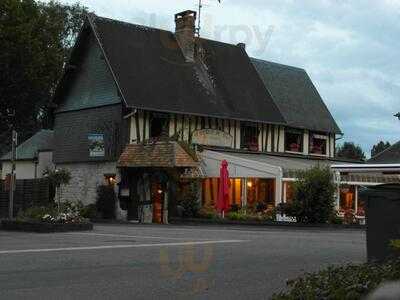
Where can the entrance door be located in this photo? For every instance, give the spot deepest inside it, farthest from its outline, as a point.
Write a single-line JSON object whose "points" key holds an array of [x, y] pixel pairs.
{"points": [[158, 198]]}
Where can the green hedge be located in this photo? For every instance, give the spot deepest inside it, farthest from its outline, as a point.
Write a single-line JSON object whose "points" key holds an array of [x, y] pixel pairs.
{"points": [[342, 283]]}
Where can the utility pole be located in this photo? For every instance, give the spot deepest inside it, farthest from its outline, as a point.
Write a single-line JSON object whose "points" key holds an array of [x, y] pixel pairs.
{"points": [[13, 183], [9, 117]]}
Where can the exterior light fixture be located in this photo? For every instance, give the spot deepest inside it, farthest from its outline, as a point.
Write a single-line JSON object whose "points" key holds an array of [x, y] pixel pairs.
{"points": [[160, 191], [110, 179], [249, 184]]}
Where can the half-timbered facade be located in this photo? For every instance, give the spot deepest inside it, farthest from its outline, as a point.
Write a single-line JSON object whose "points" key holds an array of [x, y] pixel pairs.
{"points": [[137, 103]]}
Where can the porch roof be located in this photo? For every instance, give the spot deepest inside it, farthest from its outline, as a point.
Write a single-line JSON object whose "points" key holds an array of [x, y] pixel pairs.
{"points": [[157, 155]]}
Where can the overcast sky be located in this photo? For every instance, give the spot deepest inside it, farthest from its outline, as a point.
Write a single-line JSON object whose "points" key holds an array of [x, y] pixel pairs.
{"points": [[350, 48]]}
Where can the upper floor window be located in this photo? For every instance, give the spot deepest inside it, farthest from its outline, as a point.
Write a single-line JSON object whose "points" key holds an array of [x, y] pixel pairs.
{"points": [[318, 144], [249, 136], [159, 125], [294, 140]]}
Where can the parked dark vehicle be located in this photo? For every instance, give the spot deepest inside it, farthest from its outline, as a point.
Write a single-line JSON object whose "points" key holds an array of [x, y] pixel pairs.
{"points": [[383, 219]]}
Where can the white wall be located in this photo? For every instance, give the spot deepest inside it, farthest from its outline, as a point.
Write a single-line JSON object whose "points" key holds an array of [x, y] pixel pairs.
{"points": [[45, 162], [24, 169], [30, 169]]}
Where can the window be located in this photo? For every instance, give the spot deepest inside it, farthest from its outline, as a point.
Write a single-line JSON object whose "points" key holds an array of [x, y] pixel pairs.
{"points": [[159, 126], [318, 144], [260, 193], [249, 137], [210, 192], [347, 199], [293, 140]]}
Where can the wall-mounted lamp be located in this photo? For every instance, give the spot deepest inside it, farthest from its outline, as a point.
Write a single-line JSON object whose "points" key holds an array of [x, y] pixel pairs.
{"points": [[160, 191], [249, 184], [110, 179]]}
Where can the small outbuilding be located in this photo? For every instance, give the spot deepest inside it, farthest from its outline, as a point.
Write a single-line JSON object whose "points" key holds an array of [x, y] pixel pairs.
{"points": [[34, 156]]}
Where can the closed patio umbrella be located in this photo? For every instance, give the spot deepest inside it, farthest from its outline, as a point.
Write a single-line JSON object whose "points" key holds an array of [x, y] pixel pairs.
{"points": [[223, 193]]}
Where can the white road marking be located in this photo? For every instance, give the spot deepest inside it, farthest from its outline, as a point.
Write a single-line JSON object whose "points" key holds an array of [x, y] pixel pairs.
{"points": [[121, 246], [133, 236]]}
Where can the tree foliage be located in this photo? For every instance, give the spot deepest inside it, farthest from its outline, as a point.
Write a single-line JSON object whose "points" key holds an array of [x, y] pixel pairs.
{"points": [[379, 148], [36, 39], [314, 199], [349, 150]]}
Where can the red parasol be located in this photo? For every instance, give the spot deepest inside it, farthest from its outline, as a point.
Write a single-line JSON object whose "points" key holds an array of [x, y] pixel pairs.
{"points": [[223, 194]]}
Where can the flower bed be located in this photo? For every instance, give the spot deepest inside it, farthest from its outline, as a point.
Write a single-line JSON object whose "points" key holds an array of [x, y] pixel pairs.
{"points": [[44, 227], [63, 217]]}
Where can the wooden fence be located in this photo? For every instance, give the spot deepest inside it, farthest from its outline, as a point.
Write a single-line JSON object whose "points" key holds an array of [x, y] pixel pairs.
{"points": [[30, 192]]}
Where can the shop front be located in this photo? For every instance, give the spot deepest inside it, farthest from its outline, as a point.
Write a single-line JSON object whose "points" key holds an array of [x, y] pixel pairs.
{"points": [[258, 193], [252, 184]]}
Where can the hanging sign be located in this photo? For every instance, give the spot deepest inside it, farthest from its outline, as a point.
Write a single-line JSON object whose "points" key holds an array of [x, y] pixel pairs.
{"points": [[212, 137], [96, 145]]}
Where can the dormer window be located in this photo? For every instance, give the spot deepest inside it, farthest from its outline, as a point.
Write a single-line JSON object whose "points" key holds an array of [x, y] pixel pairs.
{"points": [[159, 125], [249, 136], [294, 140], [318, 144]]}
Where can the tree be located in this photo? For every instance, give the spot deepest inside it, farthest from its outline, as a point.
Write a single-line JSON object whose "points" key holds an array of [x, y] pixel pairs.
{"points": [[349, 150], [314, 196], [36, 39], [379, 148]]}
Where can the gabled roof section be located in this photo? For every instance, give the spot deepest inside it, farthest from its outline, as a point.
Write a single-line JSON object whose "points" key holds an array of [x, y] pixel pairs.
{"points": [[389, 156], [159, 154], [296, 97], [151, 73], [28, 150]]}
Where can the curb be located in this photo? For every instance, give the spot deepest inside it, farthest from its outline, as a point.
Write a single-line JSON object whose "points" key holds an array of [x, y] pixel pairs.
{"points": [[177, 221]]}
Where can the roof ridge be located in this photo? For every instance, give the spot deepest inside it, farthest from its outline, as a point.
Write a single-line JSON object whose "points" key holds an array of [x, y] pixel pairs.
{"points": [[125, 23]]}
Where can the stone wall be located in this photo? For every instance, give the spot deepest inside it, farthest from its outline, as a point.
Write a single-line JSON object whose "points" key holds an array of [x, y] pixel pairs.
{"points": [[85, 178]]}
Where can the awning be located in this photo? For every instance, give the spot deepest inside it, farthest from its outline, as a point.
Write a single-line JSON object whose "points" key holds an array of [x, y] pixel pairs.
{"points": [[238, 167], [157, 155], [260, 165]]}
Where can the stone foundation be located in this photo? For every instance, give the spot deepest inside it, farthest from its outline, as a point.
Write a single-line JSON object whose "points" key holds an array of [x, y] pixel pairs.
{"points": [[85, 178]]}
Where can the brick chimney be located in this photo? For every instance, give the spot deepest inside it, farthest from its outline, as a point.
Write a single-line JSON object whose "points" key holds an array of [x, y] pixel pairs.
{"points": [[185, 33]]}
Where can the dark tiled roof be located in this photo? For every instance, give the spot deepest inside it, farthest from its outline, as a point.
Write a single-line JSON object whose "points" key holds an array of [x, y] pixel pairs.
{"points": [[389, 156], [296, 97], [41, 141], [160, 155], [152, 74]]}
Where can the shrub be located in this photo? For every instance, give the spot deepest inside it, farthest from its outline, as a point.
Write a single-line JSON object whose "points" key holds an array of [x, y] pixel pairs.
{"points": [[348, 282], [188, 199], [313, 196], [238, 216], [335, 219], [89, 211], [58, 178], [235, 208], [35, 213], [105, 202], [208, 212]]}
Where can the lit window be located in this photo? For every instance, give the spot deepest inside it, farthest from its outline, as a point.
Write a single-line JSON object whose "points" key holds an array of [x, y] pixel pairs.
{"points": [[318, 144], [293, 140], [249, 137]]}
